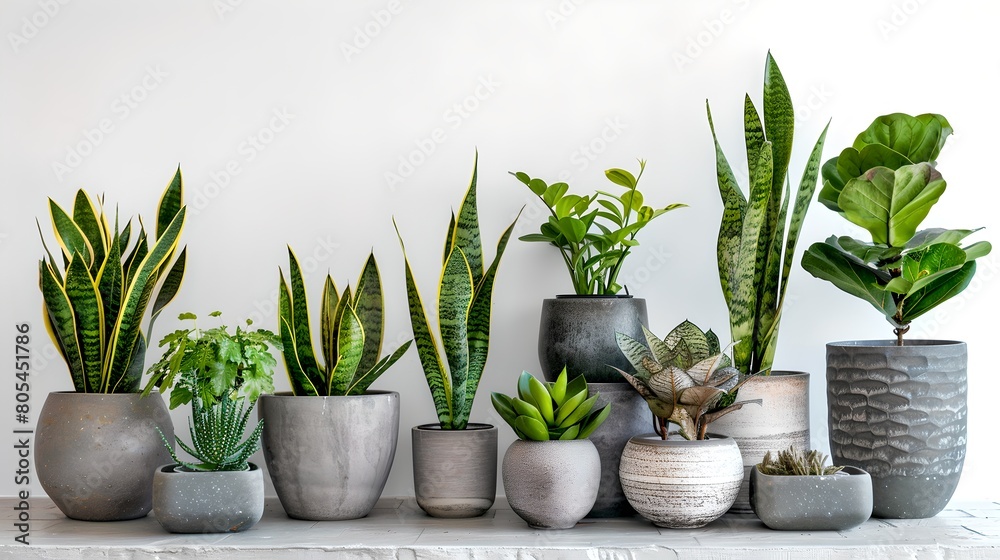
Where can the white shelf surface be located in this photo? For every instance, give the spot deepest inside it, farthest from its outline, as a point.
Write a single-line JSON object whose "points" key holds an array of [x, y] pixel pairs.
{"points": [[397, 529]]}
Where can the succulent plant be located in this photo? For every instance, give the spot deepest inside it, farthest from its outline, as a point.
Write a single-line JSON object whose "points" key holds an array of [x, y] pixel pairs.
{"points": [[793, 461], [556, 410], [685, 378]]}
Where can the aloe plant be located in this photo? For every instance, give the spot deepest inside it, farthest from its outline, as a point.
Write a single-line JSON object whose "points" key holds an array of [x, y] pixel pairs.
{"points": [[351, 326], [887, 183], [685, 378], [794, 462], [557, 410], [465, 296], [758, 234], [98, 290]]}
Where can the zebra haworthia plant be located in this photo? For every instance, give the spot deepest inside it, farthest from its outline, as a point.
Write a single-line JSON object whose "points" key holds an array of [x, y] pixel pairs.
{"points": [[557, 410], [351, 329], [97, 291], [465, 296], [757, 239]]}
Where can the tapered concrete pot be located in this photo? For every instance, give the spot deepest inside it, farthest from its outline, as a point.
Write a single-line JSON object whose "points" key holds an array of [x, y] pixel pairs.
{"points": [[551, 484], [780, 421], [329, 457], [95, 454], [899, 412], [207, 502], [630, 416], [455, 471], [835, 502]]}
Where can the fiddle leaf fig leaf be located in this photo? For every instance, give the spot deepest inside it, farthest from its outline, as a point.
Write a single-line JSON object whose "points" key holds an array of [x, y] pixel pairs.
{"points": [[891, 204]]}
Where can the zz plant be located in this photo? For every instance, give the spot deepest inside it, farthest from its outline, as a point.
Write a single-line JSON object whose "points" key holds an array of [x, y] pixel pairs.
{"points": [[886, 182], [594, 233], [97, 291], [464, 305], [351, 328], [759, 232], [557, 410]]}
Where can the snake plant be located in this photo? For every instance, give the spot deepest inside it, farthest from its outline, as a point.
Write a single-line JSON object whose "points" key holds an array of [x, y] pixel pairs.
{"points": [[757, 239], [557, 410], [351, 328], [464, 304], [97, 291], [685, 378], [887, 183]]}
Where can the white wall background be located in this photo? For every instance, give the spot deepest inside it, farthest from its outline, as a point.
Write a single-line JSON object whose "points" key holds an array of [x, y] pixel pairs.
{"points": [[552, 88]]}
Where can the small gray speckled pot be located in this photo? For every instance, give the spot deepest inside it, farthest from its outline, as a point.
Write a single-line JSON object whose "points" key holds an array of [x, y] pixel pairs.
{"points": [[208, 502], [551, 484], [812, 503]]}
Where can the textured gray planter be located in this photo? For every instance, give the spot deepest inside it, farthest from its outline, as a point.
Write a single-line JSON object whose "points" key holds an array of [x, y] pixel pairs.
{"points": [[812, 503], [95, 454], [329, 457], [678, 483], [207, 502], [551, 484], [899, 412], [630, 416], [455, 471], [780, 421], [579, 332]]}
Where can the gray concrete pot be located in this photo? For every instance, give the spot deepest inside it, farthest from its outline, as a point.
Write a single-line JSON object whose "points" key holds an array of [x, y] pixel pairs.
{"points": [[455, 471], [630, 416], [899, 412], [329, 457], [780, 421], [207, 502], [551, 484], [678, 483], [812, 503], [579, 332], [95, 454]]}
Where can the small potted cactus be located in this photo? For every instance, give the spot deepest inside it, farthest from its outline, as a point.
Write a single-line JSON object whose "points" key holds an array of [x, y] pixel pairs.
{"points": [[687, 478], [552, 472], [797, 491]]}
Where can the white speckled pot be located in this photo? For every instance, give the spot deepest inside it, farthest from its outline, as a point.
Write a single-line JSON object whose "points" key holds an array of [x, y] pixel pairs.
{"points": [[208, 502], [551, 484], [678, 483], [812, 503]]}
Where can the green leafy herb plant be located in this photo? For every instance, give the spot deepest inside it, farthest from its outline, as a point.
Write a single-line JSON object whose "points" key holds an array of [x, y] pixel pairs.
{"points": [[594, 233], [557, 410], [795, 462]]}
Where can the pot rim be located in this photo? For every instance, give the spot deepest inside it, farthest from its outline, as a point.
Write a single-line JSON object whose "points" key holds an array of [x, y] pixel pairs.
{"points": [[848, 469], [595, 296], [171, 469], [470, 427], [654, 440], [891, 343], [784, 373], [135, 394], [368, 393]]}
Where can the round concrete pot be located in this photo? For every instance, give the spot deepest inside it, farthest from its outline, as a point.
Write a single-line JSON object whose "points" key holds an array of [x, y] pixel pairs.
{"points": [[578, 332], [630, 416], [899, 412], [207, 502], [551, 484], [812, 503], [780, 421], [455, 471], [329, 457], [678, 483], [95, 454]]}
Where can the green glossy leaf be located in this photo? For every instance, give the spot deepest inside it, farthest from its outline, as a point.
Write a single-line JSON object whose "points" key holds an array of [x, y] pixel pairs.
{"points": [[554, 193], [779, 121], [85, 217], [593, 421], [169, 289], [89, 317], [350, 347], [454, 301], [543, 401], [919, 138], [558, 388], [300, 322], [574, 409], [830, 263], [731, 227], [937, 292], [368, 304], [62, 324], [753, 132], [891, 204], [531, 428], [467, 236], [69, 235], [621, 177], [170, 203]]}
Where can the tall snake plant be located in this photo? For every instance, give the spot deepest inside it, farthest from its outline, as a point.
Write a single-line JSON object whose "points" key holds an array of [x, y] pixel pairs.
{"points": [[755, 251], [465, 295], [351, 326], [94, 303]]}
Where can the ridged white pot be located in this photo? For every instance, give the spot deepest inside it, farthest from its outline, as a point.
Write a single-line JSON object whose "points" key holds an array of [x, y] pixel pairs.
{"points": [[551, 484], [678, 483]]}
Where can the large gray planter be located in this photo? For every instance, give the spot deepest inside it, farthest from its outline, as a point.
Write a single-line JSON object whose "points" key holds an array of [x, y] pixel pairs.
{"points": [[812, 503], [207, 502], [95, 454], [551, 484], [578, 332], [455, 471], [899, 412], [630, 416], [329, 457], [780, 421]]}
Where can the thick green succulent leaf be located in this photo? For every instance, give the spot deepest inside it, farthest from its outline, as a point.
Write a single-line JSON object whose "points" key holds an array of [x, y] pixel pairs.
{"points": [[524, 408], [807, 187], [454, 301], [299, 323], [350, 346], [832, 264], [731, 228], [571, 433], [635, 352], [891, 204], [301, 383], [130, 382], [504, 407], [593, 421], [71, 238], [368, 304], [170, 203], [135, 257], [531, 428], [88, 314], [328, 306], [466, 233], [543, 401], [59, 312], [944, 287], [575, 409], [168, 290], [753, 131], [558, 388], [779, 123], [110, 280], [85, 217]]}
